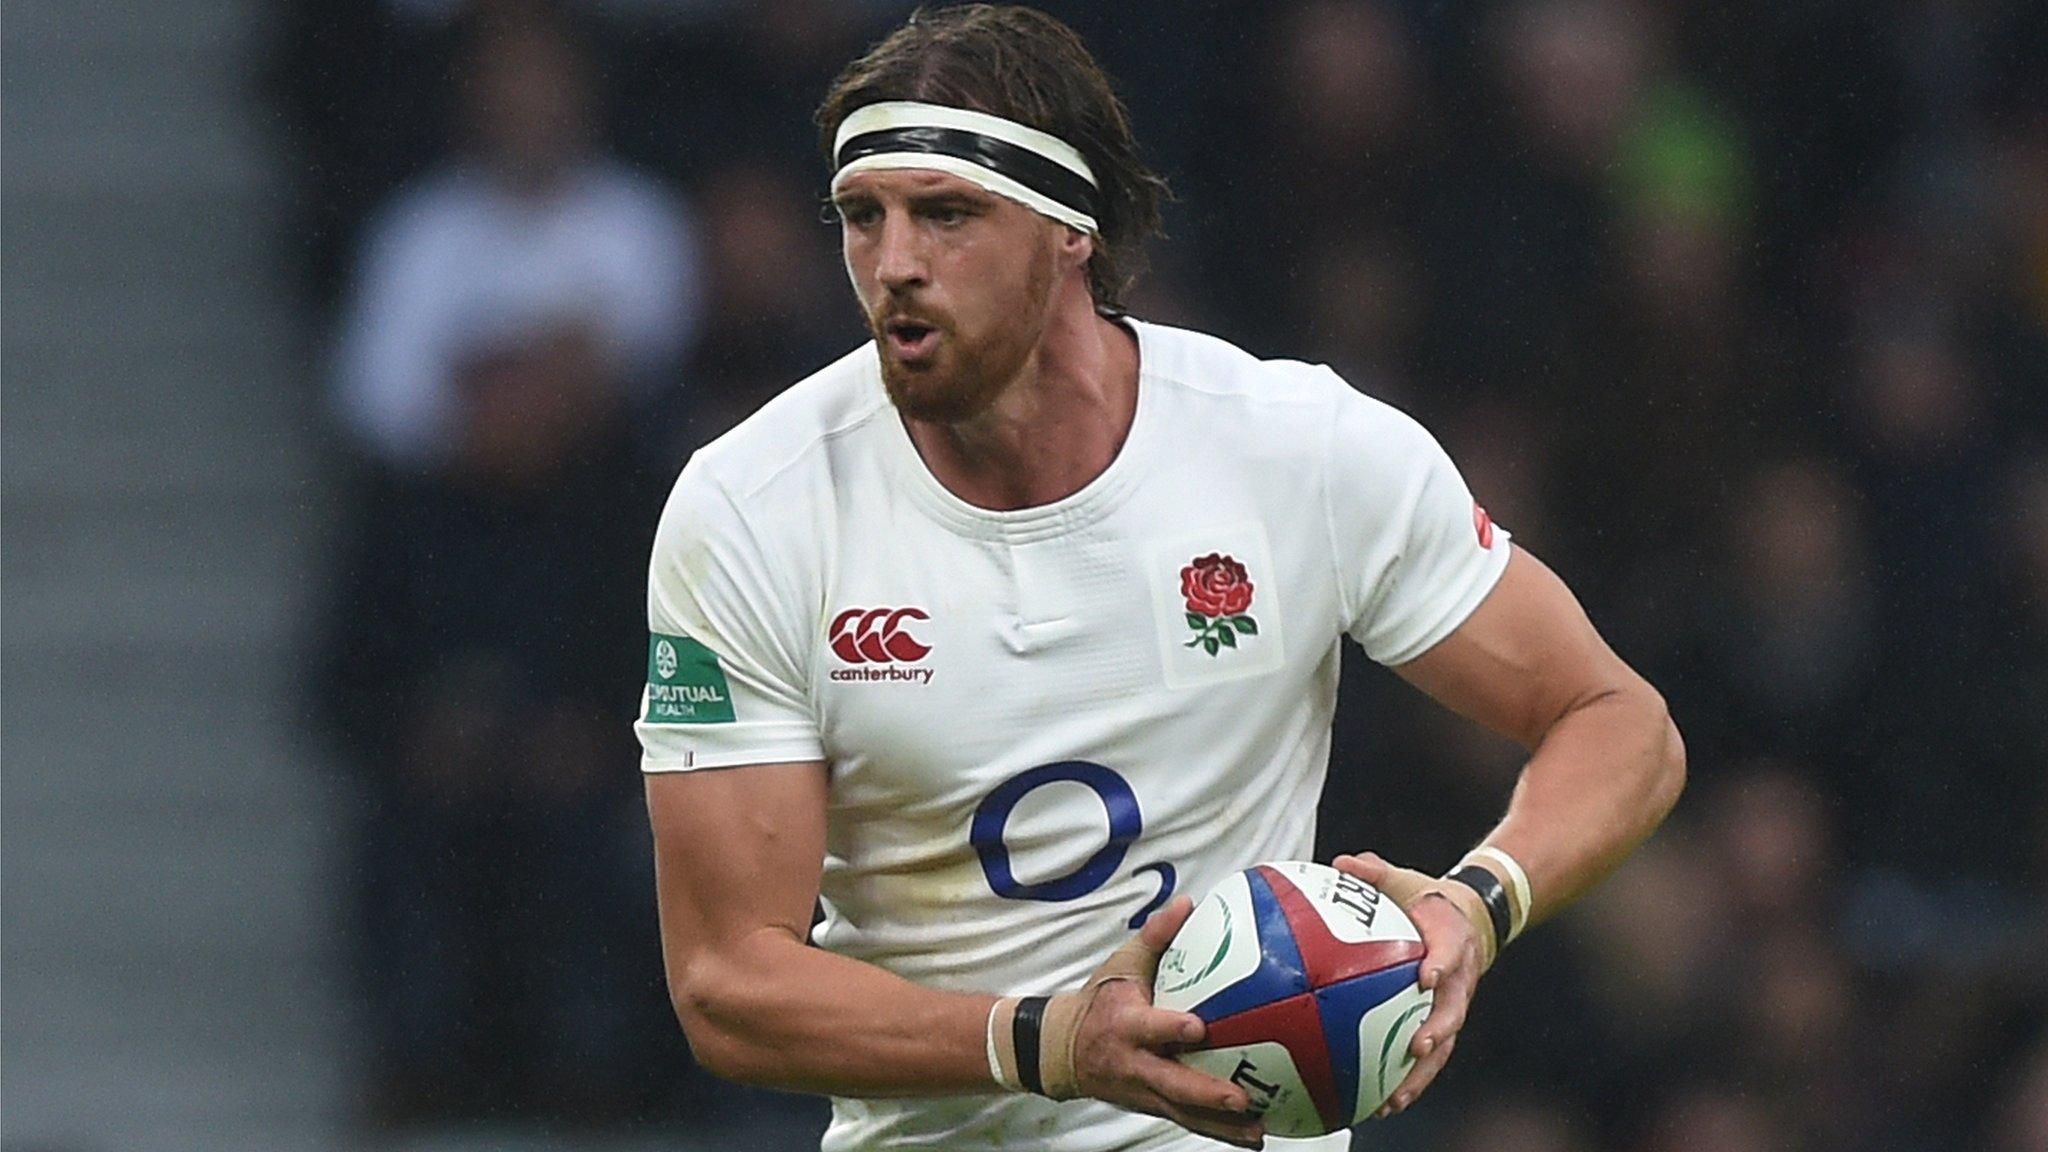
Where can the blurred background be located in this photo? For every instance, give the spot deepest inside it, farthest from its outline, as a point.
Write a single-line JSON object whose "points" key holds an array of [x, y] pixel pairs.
{"points": [[351, 346]]}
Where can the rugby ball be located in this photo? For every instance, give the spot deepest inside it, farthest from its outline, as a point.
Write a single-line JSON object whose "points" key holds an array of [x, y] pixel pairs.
{"points": [[1306, 979]]}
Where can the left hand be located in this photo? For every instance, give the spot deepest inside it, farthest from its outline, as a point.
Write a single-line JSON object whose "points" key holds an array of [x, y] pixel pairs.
{"points": [[1459, 938], [1108, 1041]]}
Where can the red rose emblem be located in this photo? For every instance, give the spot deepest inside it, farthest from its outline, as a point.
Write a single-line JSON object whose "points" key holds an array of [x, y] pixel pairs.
{"points": [[1218, 590], [1216, 585]]}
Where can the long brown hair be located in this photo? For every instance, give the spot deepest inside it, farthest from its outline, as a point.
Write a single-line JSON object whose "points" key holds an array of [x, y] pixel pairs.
{"points": [[1022, 65]]}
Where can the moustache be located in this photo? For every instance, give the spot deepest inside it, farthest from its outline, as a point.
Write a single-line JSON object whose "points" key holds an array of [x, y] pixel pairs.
{"points": [[898, 319]]}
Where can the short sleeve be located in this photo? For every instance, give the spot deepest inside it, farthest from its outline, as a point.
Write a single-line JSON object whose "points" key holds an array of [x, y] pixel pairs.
{"points": [[1415, 553], [727, 648]]}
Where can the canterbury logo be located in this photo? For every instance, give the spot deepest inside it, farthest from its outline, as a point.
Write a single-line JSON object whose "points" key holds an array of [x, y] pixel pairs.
{"points": [[877, 636]]}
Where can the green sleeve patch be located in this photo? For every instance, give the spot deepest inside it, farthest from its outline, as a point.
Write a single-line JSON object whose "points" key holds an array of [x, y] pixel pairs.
{"points": [[685, 684]]}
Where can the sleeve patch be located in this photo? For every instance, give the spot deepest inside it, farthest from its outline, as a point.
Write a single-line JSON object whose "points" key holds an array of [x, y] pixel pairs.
{"points": [[685, 683]]}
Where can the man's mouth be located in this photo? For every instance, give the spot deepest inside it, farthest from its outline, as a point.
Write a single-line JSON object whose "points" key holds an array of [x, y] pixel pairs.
{"points": [[910, 339]]}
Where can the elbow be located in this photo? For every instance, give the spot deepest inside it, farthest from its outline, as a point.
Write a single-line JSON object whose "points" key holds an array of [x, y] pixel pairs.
{"points": [[711, 1010]]}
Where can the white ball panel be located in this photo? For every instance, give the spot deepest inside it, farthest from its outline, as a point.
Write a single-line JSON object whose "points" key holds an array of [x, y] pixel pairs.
{"points": [[1267, 1073], [1217, 947], [1384, 1034]]}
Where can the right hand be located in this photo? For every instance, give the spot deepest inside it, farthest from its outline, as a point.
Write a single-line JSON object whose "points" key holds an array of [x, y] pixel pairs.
{"points": [[1459, 936], [1123, 1047]]}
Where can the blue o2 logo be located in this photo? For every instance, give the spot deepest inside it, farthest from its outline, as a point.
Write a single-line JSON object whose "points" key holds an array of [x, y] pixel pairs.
{"points": [[1126, 824], [993, 815]]}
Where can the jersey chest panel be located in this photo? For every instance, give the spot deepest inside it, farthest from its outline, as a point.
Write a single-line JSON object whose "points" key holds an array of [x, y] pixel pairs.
{"points": [[954, 668]]}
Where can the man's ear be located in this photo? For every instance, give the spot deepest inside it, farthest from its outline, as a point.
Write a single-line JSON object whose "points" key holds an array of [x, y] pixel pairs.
{"points": [[1076, 247]]}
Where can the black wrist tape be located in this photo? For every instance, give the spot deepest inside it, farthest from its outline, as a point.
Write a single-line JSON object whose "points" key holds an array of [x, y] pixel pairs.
{"points": [[1493, 894], [1030, 1019]]}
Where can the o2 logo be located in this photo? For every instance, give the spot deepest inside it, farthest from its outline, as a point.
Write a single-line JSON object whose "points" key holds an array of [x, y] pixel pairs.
{"points": [[1126, 824]]}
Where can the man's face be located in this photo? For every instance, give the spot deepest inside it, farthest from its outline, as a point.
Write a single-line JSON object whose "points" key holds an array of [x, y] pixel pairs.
{"points": [[957, 284]]}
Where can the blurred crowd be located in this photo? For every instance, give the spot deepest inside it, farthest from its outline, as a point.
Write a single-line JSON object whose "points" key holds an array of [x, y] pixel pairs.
{"points": [[1736, 312]]}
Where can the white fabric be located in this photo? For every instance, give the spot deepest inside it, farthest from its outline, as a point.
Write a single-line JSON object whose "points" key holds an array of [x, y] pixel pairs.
{"points": [[890, 115], [459, 265], [987, 179], [1055, 634], [895, 114]]}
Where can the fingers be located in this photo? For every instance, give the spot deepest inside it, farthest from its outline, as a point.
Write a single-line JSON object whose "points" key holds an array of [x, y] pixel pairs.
{"points": [[1129, 1042], [1166, 1032], [1195, 1100], [1451, 965], [1453, 998], [1199, 1102], [1405, 885], [1434, 1041], [1118, 1057], [1445, 935], [1161, 927], [1184, 1087], [1418, 1079], [1367, 866], [1231, 1128]]}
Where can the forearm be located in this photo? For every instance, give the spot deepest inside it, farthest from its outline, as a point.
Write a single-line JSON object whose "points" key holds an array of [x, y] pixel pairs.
{"points": [[1601, 780], [771, 1010]]}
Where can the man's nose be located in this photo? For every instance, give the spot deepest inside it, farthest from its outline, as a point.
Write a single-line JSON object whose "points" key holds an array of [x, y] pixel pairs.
{"points": [[900, 260]]}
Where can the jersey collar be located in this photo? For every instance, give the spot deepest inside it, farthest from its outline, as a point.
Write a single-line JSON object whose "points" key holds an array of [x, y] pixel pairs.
{"points": [[1097, 499]]}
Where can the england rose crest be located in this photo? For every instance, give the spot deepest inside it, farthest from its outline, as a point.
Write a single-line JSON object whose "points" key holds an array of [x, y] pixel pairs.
{"points": [[1219, 594]]}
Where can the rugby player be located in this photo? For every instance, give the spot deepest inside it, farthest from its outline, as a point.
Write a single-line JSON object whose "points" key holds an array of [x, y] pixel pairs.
{"points": [[1021, 621]]}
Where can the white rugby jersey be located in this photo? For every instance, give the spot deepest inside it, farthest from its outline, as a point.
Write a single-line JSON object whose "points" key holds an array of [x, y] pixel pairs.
{"points": [[1040, 724]]}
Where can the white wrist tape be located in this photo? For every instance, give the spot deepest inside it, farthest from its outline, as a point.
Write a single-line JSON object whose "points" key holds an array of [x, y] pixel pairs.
{"points": [[995, 1061], [1521, 902]]}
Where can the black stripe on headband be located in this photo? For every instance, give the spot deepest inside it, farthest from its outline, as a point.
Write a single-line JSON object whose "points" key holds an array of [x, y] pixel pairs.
{"points": [[1046, 177]]}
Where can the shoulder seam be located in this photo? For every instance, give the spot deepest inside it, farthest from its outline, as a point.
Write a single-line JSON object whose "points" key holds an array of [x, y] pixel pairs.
{"points": [[1190, 385], [1346, 615], [748, 482], [852, 424]]}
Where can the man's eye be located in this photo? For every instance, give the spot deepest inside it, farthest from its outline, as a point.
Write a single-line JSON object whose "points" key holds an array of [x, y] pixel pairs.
{"points": [[858, 215], [948, 216]]}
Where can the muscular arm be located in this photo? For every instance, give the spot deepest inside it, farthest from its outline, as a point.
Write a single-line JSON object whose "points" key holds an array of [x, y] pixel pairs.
{"points": [[1607, 763], [737, 853]]}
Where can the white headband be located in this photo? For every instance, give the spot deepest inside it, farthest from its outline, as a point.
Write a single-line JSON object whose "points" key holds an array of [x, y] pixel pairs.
{"points": [[1014, 161]]}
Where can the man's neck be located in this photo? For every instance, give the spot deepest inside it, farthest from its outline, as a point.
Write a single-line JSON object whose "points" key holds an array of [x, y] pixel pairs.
{"points": [[1053, 429]]}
